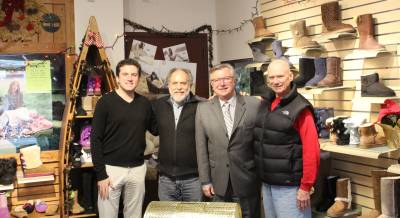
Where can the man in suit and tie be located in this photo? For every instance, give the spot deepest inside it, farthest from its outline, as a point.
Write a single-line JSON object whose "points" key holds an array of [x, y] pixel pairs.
{"points": [[224, 144]]}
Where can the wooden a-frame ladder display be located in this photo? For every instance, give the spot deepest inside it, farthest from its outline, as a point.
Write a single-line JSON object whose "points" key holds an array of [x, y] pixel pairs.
{"points": [[92, 56]]}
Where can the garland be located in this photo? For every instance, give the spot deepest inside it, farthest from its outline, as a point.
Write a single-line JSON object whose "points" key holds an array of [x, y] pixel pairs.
{"points": [[165, 31]]}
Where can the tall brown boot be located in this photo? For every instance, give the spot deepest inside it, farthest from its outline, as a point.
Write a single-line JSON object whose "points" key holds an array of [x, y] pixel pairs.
{"points": [[392, 135], [343, 198], [376, 176], [76, 208], [369, 137], [331, 19], [366, 31], [333, 73], [259, 27], [300, 36]]}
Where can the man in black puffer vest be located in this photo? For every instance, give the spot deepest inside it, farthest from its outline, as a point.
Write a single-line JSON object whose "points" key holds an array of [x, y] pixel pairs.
{"points": [[286, 146], [179, 177]]}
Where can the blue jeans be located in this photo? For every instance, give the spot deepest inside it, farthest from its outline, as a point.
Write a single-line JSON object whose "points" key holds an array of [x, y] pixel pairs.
{"points": [[280, 202], [179, 189]]}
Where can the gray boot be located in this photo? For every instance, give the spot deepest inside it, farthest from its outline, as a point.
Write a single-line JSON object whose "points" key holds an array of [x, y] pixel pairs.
{"points": [[320, 72], [389, 197], [352, 124], [258, 51], [370, 87], [277, 49]]}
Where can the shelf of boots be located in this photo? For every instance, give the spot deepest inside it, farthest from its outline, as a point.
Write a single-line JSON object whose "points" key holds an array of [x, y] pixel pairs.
{"points": [[395, 168], [6, 187], [301, 51], [23, 180], [318, 91], [373, 153], [335, 36], [261, 38]]}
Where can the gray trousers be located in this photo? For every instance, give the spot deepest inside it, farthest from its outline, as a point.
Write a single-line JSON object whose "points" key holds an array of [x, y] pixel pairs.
{"points": [[130, 183]]}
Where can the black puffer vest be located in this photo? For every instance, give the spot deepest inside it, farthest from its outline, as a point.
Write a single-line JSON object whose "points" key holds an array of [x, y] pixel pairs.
{"points": [[278, 147]]}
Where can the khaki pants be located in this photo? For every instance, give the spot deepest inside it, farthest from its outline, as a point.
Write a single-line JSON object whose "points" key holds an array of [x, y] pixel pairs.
{"points": [[130, 183]]}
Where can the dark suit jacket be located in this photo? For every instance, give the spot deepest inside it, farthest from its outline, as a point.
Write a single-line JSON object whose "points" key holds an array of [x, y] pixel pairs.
{"points": [[219, 157]]}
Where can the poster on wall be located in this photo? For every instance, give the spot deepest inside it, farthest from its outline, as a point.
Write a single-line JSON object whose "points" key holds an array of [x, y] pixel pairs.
{"points": [[142, 51], [176, 53], [27, 100]]}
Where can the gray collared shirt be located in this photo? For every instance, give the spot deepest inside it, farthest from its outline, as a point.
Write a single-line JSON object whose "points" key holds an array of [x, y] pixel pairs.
{"points": [[177, 108]]}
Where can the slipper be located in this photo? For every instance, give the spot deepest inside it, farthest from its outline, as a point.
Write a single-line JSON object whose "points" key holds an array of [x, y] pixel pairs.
{"points": [[51, 210], [28, 206], [19, 214], [40, 206]]}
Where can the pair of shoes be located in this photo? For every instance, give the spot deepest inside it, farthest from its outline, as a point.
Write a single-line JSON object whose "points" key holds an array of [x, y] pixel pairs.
{"points": [[93, 86]]}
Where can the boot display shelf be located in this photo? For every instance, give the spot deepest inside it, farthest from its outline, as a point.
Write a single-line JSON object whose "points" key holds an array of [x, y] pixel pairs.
{"points": [[318, 91], [303, 51], [257, 65], [373, 153], [261, 38], [395, 168], [6, 187], [24, 180], [92, 64], [335, 36], [360, 53]]}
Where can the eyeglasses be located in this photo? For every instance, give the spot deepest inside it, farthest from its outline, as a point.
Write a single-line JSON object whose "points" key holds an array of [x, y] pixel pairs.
{"points": [[223, 79]]}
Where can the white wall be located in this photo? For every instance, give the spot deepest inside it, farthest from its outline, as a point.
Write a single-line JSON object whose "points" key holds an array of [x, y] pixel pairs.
{"points": [[230, 13], [176, 15], [109, 16]]}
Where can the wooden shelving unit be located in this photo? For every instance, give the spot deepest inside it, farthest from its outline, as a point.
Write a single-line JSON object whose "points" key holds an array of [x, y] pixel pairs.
{"points": [[93, 54]]}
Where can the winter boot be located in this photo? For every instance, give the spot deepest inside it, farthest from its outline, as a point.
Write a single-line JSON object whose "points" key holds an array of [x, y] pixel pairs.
{"points": [[76, 154], [258, 51], [352, 124], [329, 199], [376, 176], [31, 157], [342, 135], [343, 198], [369, 137], [321, 115], [366, 31], [320, 72], [300, 37], [307, 71], [97, 85], [4, 212], [392, 135], [259, 27], [331, 19], [389, 197], [333, 73], [278, 49], [329, 124], [370, 87], [75, 208]]}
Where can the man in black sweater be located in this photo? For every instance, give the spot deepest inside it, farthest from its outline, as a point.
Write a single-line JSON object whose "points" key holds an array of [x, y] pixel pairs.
{"points": [[120, 121], [179, 178]]}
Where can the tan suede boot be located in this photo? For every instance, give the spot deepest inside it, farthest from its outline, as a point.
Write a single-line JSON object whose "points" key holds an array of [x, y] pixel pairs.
{"points": [[392, 135], [376, 176], [331, 19], [76, 208], [366, 31], [369, 137], [343, 198], [300, 36], [259, 27]]}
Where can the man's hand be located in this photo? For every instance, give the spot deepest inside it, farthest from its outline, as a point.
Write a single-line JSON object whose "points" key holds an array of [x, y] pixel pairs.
{"points": [[103, 187], [303, 199], [208, 190]]}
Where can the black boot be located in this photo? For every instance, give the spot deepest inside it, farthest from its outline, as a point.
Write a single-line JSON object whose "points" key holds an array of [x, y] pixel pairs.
{"points": [[330, 197], [321, 115], [342, 135], [76, 153], [307, 71], [370, 87]]}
